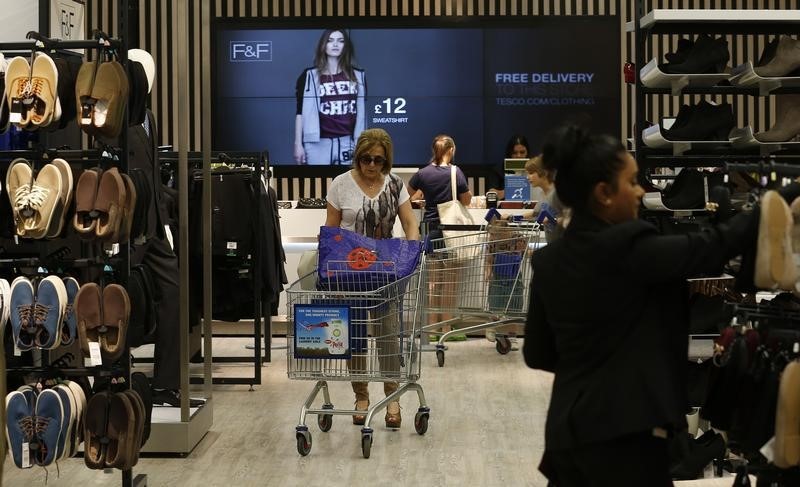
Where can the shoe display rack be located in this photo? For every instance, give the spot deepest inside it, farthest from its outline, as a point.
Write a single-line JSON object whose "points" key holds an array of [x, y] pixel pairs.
{"points": [[96, 262], [733, 150], [654, 146]]}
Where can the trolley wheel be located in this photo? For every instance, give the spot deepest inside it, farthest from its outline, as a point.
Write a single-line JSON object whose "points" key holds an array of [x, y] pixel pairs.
{"points": [[303, 442], [325, 421], [421, 423], [503, 345], [366, 444], [440, 357]]}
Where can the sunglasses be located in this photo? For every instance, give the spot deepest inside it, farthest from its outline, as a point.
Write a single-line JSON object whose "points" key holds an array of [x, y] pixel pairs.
{"points": [[367, 160]]}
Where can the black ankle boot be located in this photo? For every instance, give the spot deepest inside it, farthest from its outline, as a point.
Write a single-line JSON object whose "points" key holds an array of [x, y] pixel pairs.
{"points": [[708, 55]]}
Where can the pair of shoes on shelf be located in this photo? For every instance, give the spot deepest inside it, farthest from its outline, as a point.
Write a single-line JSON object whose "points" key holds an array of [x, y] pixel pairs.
{"points": [[695, 454], [688, 190], [104, 205], [703, 121], [114, 429], [700, 56], [32, 91], [781, 57], [37, 314], [787, 121], [172, 398], [101, 92], [35, 418], [102, 316], [39, 204]]}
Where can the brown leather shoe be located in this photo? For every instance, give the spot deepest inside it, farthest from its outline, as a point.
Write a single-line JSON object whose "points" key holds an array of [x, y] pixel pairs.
{"points": [[85, 219], [121, 428], [393, 419], [139, 419], [88, 314], [116, 311], [127, 210], [111, 92], [111, 196], [95, 425], [83, 97]]}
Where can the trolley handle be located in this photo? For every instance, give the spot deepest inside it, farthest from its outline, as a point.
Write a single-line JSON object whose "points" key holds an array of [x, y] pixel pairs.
{"points": [[463, 228]]}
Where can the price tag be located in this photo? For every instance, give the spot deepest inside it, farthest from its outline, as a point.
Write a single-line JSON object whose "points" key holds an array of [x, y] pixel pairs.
{"points": [[768, 450], [232, 245], [94, 354], [15, 111], [26, 455], [17, 351]]}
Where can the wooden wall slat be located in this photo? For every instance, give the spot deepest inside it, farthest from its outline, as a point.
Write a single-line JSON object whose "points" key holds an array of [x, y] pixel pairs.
{"points": [[157, 15]]}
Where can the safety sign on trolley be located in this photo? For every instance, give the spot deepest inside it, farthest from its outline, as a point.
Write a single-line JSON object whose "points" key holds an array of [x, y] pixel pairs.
{"points": [[321, 331]]}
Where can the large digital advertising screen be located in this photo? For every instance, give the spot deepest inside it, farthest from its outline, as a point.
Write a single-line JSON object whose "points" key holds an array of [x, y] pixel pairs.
{"points": [[274, 88]]}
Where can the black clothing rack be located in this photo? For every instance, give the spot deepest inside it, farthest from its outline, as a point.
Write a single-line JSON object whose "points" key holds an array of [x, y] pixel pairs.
{"points": [[779, 328], [103, 43], [255, 163]]}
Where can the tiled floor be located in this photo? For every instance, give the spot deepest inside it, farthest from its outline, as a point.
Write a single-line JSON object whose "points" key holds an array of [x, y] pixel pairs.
{"points": [[486, 429]]}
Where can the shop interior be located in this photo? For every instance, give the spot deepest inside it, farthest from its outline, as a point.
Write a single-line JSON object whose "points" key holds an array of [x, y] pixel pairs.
{"points": [[163, 202]]}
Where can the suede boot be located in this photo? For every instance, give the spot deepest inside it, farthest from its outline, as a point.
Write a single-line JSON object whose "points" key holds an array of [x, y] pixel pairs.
{"points": [[787, 121], [786, 60]]}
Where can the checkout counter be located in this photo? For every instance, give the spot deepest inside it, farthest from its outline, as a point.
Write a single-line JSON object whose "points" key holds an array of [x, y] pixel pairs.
{"points": [[300, 227]]}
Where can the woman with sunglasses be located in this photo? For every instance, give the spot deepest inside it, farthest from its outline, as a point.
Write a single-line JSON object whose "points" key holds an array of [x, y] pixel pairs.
{"points": [[432, 183], [368, 199]]}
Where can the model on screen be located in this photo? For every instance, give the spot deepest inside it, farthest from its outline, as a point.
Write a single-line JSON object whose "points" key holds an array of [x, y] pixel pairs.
{"points": [[330, 103]]}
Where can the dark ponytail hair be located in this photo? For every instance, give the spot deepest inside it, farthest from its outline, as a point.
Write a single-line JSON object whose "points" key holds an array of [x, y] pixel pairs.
{"points": [[580, 160]]}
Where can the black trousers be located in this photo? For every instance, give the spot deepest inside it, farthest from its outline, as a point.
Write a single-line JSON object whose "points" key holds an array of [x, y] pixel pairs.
{"points": [[158, 256], [630, 461]]}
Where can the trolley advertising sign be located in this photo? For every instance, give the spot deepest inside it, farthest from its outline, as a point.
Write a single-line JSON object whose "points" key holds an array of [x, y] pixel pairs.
{"points": [[321, 331]]}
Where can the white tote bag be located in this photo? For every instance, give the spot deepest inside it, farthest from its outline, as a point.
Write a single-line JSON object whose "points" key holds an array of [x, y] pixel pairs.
{"points": [[463, 243]]}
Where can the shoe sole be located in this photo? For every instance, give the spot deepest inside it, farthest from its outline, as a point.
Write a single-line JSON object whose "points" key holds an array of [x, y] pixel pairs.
{"points": [[778, 226], [774, 268], [65, 197]]}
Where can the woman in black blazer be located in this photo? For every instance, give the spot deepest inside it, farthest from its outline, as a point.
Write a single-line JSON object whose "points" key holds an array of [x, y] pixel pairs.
{"points": [[620, 356]]}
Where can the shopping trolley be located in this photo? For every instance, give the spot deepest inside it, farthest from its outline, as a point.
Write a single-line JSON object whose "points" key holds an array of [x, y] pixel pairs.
{"points": [[354, 326], [481, 272]]}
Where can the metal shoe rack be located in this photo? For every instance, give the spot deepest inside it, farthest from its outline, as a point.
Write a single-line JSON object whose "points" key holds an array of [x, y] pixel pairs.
{"points": [[653, 28], [98, 259]]}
